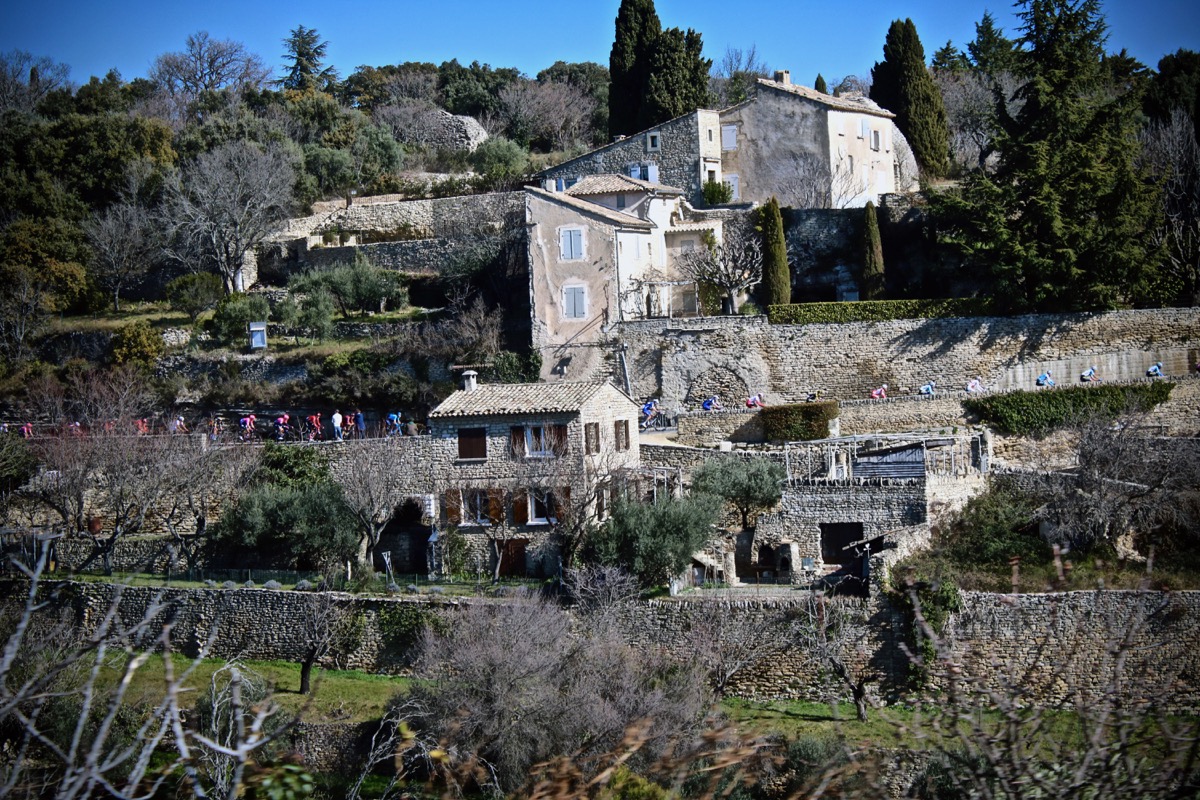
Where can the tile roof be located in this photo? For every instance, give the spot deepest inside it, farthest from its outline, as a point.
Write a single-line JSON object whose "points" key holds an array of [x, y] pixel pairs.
{"points": [[500, 399], [609, 215], [624, 140], [859, 103], [612, 183]]}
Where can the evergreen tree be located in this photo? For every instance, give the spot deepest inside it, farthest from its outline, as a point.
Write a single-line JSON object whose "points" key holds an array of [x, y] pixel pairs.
{"points": [[1063, 222], [305, 53], [819, 84], [638, 30], [873, 286], [902, 84], [777, 274], [1175, 85], [950, 59], [678, 80], [991, 51]]}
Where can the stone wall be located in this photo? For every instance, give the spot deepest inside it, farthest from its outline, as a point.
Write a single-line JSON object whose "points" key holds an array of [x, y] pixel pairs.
{"points": [[895, 415], [420, 256], [708, 428], [441, 216], [667, 358], [688, 458]]}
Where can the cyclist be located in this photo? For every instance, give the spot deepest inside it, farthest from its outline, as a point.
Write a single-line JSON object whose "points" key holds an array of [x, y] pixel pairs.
{"points": [[246, 424], [1089, 375], [281, 427], [142, 426], [391, 426], [880, 393], [712, 404], [755, 401], [929, 388], [312, 430], [975, 384], [1044, 379], [177, 425], [26, 430], [1155, 371], [650, 410]]}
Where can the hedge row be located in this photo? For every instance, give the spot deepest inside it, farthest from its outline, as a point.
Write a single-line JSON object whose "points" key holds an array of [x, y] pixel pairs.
{"points": [[1038, 412], [878, 310], [799, 422]]}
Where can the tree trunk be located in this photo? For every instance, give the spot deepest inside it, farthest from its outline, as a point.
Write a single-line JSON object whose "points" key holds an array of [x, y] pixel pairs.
{"points": [[306, 667], [116, 302], [860, 700]]}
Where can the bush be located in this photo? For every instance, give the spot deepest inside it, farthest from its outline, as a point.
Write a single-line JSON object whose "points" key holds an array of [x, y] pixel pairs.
{"points": [[717, 193], [304, 586], [798, 422], [994, 527], [359, 286], [195, 294], [500, 161], [655, 542], [746, 485], [1037, 413], [877, 311], [137, 344], [234, 313], [288, 527], [273, 585]]}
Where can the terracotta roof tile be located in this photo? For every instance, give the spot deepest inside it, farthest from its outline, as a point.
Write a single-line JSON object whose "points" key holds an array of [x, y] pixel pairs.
{"points": [[612, 183], [609, 215], [860, 104], [502, 399]]}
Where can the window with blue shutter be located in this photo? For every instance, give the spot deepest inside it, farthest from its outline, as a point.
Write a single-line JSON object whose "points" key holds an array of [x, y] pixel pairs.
{"points": [[575, 302], [635, 170], [570, 244]]}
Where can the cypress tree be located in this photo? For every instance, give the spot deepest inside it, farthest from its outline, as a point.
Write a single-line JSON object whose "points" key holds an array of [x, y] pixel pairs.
{"points": [[638, 30], [902, 84], [819, 84], [991, 51], [873, 286], [678, 78], [777, 274]]}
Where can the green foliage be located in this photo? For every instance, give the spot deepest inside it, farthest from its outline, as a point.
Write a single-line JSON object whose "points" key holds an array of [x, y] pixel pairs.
{"points": [[873, 283], [654, 542], [637, 31], [234, 313], [820, 85], [747, 485], [678, 80], [292, 467], [306, 70], [777, 272], [1065, 220], [901, 84], [1037, 413], [137, 344], [798, 422], [510, 367], [938, 600], [501, 162], [878, 311], [17, 463], [991, 51], [717, 193], [359, 286], [402, 625], [195, 294], [366, 376], [298, 525], [994, 527]]}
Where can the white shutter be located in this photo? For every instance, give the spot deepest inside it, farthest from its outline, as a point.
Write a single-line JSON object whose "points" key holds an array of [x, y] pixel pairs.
{"points": [[652, 172], [733, 182], [863, 128], [729, 137], [564, 245]]}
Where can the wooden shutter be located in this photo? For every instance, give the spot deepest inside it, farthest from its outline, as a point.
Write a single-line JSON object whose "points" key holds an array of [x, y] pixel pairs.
{"points": [[560, 503], [729, 137], [621, 434], [521, 507], [472, 443], [516, 440], [558, 439], [495, 509], [591, 438], [452, 502], [601, 502]]}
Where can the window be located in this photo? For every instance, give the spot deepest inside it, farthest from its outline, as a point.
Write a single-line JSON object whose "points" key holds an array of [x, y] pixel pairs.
{"points": [[621, 434], [538, 441], [570, 244], [591, 438], [710, 134], [687, 246], [620, 201], [876, 140], [644, 171], [729, 137], [864, 129], [472, 443], [653, 142], [735, 186], [482, 506], [543, 506], [850, 160], [572, 181], [575, 302], [601, 502]]}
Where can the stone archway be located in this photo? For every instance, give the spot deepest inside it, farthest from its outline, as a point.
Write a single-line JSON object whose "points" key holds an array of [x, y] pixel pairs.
{"points": [[721, 381]]}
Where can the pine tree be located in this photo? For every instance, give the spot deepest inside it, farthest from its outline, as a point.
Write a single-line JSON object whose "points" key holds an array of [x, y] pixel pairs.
{"points": [[991, 51], [1063, 222], [306, 56], [678, 81], [638, 30], [902, 84], [819, 84], [873, 285], [949, 59], [777, 274]]}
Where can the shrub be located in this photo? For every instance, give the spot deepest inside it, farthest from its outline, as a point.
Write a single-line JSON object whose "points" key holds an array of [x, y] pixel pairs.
{"points": [[249, 585], [746, 485], [877, 311], [137, 344], [234, 313], [304, 586], [228, 585], [717, 193], [195, 294], [210, 583], [798, 422], [273, 585], [289, 527], [500, 161], [1037, 413]]}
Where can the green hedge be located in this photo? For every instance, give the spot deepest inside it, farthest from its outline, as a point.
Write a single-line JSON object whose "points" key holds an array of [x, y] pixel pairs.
{"points": [[878, 310], [1039, 412], [799, 422]]}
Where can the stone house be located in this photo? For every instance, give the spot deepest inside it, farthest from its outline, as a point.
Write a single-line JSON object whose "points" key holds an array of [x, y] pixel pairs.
{"points": [[804, 147], [604, 251], [518, 466]]}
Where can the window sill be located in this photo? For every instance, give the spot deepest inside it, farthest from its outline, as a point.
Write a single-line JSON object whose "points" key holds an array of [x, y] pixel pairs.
{"points": [[470, 460]]}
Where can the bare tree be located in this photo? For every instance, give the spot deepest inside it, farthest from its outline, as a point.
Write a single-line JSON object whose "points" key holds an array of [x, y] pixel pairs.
{"points": [[551, 110], [374, 489], [25, 79], [734, 76], [322, 629], [225, 204], [971, 100], [207, 65], [825, 628], [728, 641], [851, 84], [734, 264], [125, 240], [1172, 154]]}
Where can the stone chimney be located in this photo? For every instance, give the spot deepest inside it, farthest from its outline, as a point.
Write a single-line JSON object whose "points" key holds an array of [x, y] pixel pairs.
{"points": [[783, 76], [620, 137], [469, 380]]}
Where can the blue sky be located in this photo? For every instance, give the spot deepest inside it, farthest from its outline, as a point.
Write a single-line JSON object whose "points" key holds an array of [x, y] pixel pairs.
{"points": [[806, 37]]}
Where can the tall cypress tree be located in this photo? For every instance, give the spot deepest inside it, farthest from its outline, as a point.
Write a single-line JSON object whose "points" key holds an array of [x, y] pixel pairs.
{"points": [[873, 284], [819, 84], [638, 30], [777, 274], [678, 78], [1063, 222], [902, 84]]}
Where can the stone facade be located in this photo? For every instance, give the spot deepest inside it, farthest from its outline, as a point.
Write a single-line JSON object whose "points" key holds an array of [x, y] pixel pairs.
{"points": [[420, 256], [667, 358], [685, 152]]}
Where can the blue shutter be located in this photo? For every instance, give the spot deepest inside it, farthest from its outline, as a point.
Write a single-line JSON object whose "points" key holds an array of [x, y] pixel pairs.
{"points": [[558, 184], [652, 172], [635, 170]]}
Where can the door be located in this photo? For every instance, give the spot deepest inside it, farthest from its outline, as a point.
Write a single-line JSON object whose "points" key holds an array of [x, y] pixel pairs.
{"points": [[512, 559]]}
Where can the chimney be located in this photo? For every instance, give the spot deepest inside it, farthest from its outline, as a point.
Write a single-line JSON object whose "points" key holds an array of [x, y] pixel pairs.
{"points": [[620, 137], [469, 380], [783, 76]]}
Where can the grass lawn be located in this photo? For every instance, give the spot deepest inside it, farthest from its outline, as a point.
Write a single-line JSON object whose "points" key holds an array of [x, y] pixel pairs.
{"points": [[885, 727], [157, 313]]}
